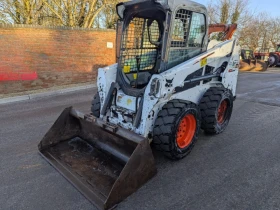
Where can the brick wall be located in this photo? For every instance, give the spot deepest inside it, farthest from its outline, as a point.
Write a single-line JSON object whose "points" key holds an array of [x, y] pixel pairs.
{"points": [[39, 57]]}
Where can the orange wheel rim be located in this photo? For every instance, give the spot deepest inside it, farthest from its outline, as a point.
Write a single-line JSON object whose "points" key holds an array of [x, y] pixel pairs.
{"points": [[186, 131], [222, 111]]}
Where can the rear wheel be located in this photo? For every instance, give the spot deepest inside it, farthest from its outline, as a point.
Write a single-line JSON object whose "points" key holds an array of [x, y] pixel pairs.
{"points": [[95, 105], [273, 60], [216, 108], [176, 128]]}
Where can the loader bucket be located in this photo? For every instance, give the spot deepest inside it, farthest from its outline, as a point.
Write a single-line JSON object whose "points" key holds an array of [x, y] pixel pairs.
{"points": [[253, 65], [104, 162], [261, 65]]}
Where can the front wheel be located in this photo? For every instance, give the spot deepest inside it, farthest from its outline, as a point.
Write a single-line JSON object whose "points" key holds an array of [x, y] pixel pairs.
{"points": [[216, 108], [176, 128]]}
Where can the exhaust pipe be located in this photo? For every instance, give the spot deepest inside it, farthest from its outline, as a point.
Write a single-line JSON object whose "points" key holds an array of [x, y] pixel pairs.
{"points": [[104, 162]]}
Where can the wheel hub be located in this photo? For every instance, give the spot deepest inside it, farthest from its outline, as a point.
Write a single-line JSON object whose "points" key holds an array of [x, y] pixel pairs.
{"points": [[271, 60], [186, 131], [222, 111]]}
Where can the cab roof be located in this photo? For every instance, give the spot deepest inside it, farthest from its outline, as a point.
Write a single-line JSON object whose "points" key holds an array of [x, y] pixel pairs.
{"points": [[171, 5]]}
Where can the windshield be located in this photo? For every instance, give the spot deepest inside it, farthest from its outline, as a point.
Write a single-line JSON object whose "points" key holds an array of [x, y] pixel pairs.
{"points": [[139, 50], [278, 48]]}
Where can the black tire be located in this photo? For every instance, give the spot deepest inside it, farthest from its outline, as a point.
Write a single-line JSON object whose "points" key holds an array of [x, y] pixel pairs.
{"points": [[273, 60], [95, 105], [167, 124], [211, 123]]}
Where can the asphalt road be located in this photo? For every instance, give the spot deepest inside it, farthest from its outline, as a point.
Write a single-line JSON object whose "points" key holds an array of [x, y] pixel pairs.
{"points": [[238, 169], [260, 87]]}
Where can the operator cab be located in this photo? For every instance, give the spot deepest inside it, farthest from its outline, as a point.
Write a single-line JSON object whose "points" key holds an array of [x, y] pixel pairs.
{"points": [[154, 36], [141, 43]]}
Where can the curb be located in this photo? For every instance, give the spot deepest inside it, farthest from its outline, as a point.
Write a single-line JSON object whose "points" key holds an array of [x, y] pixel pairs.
{"points": [[44, 94]]}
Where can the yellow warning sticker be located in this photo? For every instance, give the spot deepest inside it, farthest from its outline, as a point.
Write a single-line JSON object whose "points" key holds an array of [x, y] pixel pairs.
{"points": [[129, 101], [135, 76], [203, 62], [126, 69]]}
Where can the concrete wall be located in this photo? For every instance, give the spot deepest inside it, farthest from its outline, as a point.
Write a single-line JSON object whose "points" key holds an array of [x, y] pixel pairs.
{"points": [[39, 57]]}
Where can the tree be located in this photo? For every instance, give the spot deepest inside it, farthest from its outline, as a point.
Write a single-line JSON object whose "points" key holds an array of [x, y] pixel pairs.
{"points": [[73, 13], [224, 11], [253, 34], [228, 11], [273, 31], [108, 17], [261, 31], [21, 11], [3, 18]]}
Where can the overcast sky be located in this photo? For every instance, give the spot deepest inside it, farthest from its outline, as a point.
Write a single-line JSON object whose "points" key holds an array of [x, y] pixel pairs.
{"points": [[272, 7]]}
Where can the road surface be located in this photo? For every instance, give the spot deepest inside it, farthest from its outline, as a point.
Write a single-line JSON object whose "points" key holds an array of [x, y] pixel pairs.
{"points": [[238, 169]]}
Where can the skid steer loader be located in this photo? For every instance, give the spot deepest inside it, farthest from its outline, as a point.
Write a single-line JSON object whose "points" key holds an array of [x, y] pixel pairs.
{"points": [[169, 82]]}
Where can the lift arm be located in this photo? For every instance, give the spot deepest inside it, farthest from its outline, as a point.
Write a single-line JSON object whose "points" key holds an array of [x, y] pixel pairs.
{"points": [[227, 29]]}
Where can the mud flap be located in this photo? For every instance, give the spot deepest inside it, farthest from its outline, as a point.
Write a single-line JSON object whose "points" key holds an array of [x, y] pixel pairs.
{"points": [[104, 162]]}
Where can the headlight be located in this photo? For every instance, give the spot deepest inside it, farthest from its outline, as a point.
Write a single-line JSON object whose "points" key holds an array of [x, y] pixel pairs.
{"points": [[155, 85]]}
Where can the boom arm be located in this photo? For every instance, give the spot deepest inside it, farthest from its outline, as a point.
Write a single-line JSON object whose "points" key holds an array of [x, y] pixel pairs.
{"points": [[228, 29]]}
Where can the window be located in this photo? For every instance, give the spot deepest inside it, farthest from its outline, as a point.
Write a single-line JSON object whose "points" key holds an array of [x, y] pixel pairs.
{"points": [[179, 32], [137, 44], [278, 49], [180, 28], [187, 37], [197, 30], [139, 50]]}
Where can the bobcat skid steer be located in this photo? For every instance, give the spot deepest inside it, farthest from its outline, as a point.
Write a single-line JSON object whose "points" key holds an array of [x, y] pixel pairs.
{"points": [[169, 82]]}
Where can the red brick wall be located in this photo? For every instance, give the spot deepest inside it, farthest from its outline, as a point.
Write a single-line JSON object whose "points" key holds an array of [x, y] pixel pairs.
{"points": [[59, 56]]}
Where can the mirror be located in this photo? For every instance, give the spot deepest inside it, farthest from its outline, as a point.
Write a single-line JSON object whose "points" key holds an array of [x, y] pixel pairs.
{"points": [[154, 32]]}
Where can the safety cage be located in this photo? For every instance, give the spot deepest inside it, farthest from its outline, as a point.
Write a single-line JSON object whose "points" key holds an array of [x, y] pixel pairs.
{"points": [[186, 37], [146, 47], [140, 50]]}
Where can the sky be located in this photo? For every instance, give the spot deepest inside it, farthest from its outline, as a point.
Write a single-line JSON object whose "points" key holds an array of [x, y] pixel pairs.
{"points": [[272, 7]]}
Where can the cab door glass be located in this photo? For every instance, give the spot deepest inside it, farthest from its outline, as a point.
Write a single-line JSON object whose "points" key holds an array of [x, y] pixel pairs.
{"points": [[197, 30], [187, 37]]}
